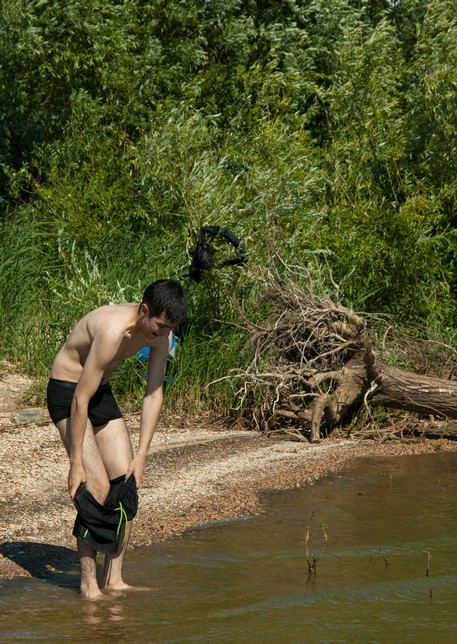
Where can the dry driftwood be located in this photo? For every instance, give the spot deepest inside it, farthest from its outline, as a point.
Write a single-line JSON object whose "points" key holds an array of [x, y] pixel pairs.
{"points": [[314, 363]]}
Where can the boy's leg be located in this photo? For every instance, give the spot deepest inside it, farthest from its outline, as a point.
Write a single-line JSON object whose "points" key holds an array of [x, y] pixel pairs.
{"points": [[115, 449], [97, 483], [112, 569], [88, 566]]}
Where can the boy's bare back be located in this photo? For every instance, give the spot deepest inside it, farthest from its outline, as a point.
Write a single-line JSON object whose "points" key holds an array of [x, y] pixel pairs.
{"points": [[115, 327]]}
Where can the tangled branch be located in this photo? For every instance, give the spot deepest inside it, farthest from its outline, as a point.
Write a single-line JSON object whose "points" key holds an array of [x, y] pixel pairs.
{"points": [[311, 356]]}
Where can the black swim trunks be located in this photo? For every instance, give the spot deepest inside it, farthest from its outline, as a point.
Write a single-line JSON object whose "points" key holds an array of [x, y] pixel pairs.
{"points": [[103, 527], [102, 406]]}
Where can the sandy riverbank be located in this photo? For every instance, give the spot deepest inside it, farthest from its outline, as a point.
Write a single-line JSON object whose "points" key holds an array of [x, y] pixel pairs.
{"points": [[197, 473]]}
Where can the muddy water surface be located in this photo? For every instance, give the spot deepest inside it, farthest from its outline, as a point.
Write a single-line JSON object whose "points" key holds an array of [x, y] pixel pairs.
{"points": [[370, 556]]}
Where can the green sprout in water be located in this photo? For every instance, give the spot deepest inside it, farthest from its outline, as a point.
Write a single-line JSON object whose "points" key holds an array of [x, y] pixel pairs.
{"points": [[324, 526]]}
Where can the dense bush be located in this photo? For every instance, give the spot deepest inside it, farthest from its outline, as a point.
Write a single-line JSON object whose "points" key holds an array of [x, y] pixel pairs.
{"points": [[324, 129]]}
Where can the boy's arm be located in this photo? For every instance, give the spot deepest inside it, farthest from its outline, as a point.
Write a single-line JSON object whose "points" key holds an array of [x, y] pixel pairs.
{"points": [[152, 405], [100, 355]]}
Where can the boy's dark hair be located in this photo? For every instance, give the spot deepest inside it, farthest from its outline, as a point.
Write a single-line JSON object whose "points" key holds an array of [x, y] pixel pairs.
{"points": [[168, 297]]}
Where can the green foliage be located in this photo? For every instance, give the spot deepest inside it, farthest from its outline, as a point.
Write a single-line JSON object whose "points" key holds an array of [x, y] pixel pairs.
{"points": [[317, 128]]}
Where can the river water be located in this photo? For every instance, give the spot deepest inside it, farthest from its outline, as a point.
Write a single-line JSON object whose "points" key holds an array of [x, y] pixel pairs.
{"points": [[368, 556]]}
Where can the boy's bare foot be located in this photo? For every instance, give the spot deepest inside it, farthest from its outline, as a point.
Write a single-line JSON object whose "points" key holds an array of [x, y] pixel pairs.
{"points": [[92, 593], [122, 586]]}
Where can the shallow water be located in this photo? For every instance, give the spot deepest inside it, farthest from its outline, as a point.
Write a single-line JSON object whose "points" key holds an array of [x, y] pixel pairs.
{"points": [[384, 537]]}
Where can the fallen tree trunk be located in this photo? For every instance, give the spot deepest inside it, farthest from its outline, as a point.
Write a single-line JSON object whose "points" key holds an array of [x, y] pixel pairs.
{"points": [[390, 387], [413, 392]]}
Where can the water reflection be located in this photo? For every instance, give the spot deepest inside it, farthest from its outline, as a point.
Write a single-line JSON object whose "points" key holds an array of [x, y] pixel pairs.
{"points": [[104, 611]]}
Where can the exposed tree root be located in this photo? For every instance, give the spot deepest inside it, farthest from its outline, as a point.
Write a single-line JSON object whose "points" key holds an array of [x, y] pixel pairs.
{"points": [[314, 363]]}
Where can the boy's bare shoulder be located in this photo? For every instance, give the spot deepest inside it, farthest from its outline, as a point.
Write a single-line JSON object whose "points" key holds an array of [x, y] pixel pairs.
{"points": [[113, 314], [114, 320]]}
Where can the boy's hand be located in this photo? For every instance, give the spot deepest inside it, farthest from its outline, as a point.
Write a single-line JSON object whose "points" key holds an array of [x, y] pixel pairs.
{"points": [[76, 476], [136, 468]]}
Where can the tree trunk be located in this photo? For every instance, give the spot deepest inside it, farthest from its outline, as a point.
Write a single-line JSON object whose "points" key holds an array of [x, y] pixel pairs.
{"points": [[417, 393]]}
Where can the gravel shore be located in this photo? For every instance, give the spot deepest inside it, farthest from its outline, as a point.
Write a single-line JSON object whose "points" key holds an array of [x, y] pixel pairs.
{"points": [[197, 473]]}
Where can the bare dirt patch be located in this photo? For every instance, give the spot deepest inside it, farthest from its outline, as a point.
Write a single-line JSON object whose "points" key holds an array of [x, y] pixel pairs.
{"points": [[198, 472]]}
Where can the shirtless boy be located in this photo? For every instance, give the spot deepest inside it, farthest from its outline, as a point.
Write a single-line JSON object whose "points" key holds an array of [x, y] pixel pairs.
{"points": [[91, 426]]}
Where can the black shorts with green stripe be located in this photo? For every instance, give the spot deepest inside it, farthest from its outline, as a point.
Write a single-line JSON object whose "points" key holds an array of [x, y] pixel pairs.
{"points": [[104, 527]]}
